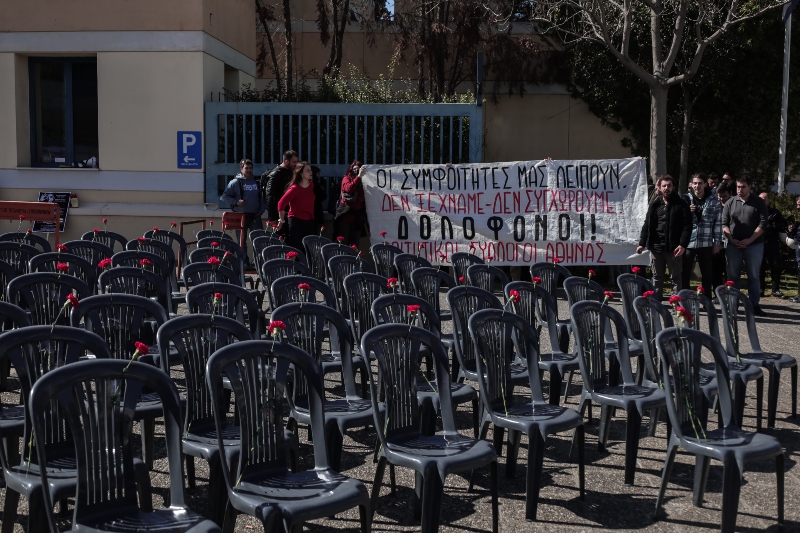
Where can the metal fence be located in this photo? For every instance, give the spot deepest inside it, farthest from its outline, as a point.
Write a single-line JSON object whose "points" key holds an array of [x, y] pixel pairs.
{"points": [[331, 136]]}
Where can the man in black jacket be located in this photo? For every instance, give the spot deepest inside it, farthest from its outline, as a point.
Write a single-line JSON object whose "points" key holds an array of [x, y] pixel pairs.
{"points": [[666, 233], [274, 183]]}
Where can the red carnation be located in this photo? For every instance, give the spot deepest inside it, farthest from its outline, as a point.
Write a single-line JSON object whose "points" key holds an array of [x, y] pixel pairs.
{"points": [[62, 267], [71, 299]]}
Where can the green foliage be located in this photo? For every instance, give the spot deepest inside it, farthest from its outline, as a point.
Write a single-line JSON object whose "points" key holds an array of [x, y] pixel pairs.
{"points": [[786, 204]]}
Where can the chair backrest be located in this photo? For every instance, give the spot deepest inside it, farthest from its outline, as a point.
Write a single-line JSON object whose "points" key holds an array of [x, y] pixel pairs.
{"points": [[171, 238], [33, 352], [463, 302], [286, 290], [259, 244], [537, 308], [360, 290], [487, 277], [461, 262], [78, 266], [256, 233], [18, 255], [687, 406], [695, 302], [92, 251], [107, 238], [235, 302], [582, 289], [137, 281], [232, 261], [98, 401], [31, 239], [653, 317], [44, 295], [12, 317], [393, 309], [279, 268], [428, 282], [194, 338], [120, 319], [730, 300], [404, 265], [333, 249], [397, 348], [258, 373], [500, 338], [631, 286], [589, 326], [139, 259], [280, 252], [7, 273], [340, 267], [161, 249], [384, 255], [313, 245], [552, 276], [197, 273], [226, 245], [203, 233]]}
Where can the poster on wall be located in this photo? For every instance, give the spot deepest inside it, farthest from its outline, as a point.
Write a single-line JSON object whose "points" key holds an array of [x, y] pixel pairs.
{"points": [[60, 198], [579, 212]]}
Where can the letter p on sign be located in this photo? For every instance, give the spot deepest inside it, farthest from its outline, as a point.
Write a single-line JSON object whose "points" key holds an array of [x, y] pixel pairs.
{"points": [[190, 149]]}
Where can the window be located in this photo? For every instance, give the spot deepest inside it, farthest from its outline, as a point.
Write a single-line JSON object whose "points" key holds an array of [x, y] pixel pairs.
{"points": [[63, 97]]}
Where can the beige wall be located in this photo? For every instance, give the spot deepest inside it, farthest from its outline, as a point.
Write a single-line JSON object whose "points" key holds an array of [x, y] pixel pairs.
{"points": [[144, 99], [232, 22]]}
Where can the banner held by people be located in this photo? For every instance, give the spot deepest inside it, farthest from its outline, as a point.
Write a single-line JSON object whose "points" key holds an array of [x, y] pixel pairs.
{"points": [[575, 212]]}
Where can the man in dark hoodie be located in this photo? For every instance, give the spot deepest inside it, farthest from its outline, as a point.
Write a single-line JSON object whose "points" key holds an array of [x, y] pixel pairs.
{"points": [[665, 234], [275, 182]]}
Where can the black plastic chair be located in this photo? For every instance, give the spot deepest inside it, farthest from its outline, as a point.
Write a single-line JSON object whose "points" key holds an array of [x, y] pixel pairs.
{"points": [[741, 373], [107, 238], [262, 486], [589, 321], [172, 239], [730, 299], [133, 258], [360, 289], [397, 348], [232, 261], [537, 307], [18, 255], [279, 268], [631, 286], [286, 290], [307, 325], [340, 267], [43, 295], [393, 309], [404, 264], [163, 250], [487, 277], [279, 252], [31, 239], [428, 283], [236, 303], [92, 251], [461, 261], [88, 393], [331, 250], [383, 254], [194, 338], [501, 338], [680, 353], [218, 234], [197, 273], [259, 244], [78, 266], [7, 273], [225, 245], [136, 281], [122, 320], [552, 276], [12, 416]]}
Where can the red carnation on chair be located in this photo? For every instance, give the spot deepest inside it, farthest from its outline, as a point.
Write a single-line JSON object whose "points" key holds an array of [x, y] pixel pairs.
{"points": [[213, 261], [71, 300], [104, 264], [636, 270], [62, 267], [275, 328], [340, 238], [291, 256]]}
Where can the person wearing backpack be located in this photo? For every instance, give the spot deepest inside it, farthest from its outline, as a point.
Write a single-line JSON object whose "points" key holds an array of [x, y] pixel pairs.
{"points": [[244, 195], [274, 184]]}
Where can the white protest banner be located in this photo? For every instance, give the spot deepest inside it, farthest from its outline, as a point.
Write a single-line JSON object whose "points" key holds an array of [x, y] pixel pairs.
{"points": [[580, 212]]}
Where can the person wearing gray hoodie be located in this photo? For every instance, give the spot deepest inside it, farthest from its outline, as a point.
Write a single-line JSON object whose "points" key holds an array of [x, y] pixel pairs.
{"points": [[244, 195]]}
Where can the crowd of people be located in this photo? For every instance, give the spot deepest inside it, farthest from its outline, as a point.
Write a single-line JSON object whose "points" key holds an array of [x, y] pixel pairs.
{"points": [[722, 226]]}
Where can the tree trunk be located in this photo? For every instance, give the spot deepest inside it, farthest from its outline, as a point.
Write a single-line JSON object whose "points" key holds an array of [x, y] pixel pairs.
{"points": [[337, 64], [688, 105], [658, 130], [287, 24], [329, 66]]}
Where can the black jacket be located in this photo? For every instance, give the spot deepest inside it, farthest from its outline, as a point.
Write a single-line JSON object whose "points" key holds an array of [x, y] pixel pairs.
{"points": [[274, 185], [679, 224]]}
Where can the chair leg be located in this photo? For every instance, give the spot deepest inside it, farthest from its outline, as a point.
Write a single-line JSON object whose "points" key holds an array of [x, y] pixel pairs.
{"points": [[494, 484], [366, 519], [569, 382], [376, 484], [432, 490], [581, 408], [37, 514], [731, 487], [484, 430], [334, 442], [632, 444], [779, 474], [772, 396], [229, 524], [580, 433], [476, 416], [143, 487], [605, 427], [190, 473], [419, 486], [534, 481], [701, 468], [556, 380], [498, 440], [794, 391], [148, 428], [10, 510], [513, 453], [217, 493], [392, 481], [759, 402], [655, 415], [665, 473], [739, 394]]}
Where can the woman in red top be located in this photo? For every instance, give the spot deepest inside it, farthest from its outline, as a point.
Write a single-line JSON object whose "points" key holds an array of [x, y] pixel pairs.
{"points": [[351, 214], [299, 198]]}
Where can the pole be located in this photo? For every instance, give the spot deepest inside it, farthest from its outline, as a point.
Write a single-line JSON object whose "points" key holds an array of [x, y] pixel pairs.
{"points": [[787, 43]]}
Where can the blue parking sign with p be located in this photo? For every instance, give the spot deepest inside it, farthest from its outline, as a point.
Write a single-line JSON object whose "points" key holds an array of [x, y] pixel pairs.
{"points": [[190, 149]]}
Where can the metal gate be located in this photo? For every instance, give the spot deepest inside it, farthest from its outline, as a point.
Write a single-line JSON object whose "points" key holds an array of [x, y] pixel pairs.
{"points": [[331, 136]]}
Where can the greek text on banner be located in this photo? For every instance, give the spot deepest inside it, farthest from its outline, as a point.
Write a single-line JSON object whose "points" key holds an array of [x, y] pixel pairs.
{"points": [[580, 212]]}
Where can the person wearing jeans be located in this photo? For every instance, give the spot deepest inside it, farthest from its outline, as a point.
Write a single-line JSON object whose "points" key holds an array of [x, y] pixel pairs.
{"points": [[744, 220], [793, 232], [706, 232], [243, 194], [665, 234]]}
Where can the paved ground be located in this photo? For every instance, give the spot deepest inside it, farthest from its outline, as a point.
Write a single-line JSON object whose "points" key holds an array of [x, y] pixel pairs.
{"points": [[609, 504]]}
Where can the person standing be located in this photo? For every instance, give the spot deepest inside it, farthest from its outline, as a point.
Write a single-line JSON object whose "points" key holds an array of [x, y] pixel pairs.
{"points": [[706, 232], [665, 234], [299, 199], [718, 265], [713, 181], [772, 260], [744, 220], [275, 183], [243, 194], [793, 232], [351, 210]]}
